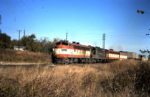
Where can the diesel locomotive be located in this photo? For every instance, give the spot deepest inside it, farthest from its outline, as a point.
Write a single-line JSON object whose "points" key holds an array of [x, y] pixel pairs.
{"points": [[65, 52]]}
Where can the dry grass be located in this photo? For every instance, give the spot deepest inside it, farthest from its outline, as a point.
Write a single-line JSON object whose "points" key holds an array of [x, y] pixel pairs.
{"points": [[23, 57], [117, 79]]}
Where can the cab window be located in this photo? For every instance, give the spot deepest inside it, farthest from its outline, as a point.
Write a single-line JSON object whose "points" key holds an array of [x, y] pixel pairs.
{"points": [[63, 50]]}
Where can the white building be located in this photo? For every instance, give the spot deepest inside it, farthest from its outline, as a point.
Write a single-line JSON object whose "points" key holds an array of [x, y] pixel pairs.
{"points": [[19, 48]]}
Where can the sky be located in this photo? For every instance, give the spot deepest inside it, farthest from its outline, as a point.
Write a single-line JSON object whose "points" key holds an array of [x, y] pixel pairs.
{"points": [[84, 20]]}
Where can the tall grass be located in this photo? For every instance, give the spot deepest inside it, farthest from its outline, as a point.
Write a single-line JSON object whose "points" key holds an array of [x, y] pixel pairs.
{"points": [[117, 79], [7, 55]]}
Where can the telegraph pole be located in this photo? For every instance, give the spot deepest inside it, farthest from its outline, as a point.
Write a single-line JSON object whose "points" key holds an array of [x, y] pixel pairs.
{"points": [[19, 34], [24, 32], [0, 19], [147, 34], [66, 36], [103, 40], [19, 38], [0, 22]]}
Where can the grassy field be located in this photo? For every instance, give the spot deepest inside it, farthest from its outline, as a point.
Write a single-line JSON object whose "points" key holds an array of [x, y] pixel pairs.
{"points": [[117, 79], [12, 56]]}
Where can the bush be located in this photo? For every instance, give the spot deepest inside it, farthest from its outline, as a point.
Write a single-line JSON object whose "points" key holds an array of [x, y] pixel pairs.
{"points": [[77, 81]]}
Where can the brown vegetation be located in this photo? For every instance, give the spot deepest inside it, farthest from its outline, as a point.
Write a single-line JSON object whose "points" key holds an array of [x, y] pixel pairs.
{"points": [[117, 79], [7, 55]]}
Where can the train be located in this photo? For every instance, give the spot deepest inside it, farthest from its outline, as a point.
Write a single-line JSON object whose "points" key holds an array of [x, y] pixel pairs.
{"points": [[65, 52]]}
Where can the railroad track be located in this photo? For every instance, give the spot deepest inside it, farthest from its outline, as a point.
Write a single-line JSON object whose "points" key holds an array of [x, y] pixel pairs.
{"points": [[5, 64]]}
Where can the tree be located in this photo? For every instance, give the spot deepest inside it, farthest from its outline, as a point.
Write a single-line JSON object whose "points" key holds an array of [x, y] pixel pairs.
{"points": [[32, 44], [29, 42], [5, 41], [46, 46]]}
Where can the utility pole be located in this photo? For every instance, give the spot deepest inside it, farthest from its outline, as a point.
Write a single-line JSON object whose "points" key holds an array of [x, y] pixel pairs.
{"points": [[19, 38], [24, 32], [147, 34], [66, 36], [0, 22], [103, 39], [0, 19]]}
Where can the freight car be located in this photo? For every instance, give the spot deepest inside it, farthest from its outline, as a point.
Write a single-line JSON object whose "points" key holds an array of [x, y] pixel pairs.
{"points": [[112, 55], [133, 55], [65, 52], [123, 55]]}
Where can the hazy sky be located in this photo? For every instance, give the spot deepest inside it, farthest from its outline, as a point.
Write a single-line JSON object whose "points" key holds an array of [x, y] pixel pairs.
{"points": [[84, 20]]}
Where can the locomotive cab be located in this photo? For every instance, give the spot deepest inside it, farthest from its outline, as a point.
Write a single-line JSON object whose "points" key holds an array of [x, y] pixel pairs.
{"points": [[59, 48], [70, 52], [60, 43]]}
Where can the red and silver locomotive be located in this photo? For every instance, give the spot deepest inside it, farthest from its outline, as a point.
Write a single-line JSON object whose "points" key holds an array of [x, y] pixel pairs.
{"points": [[66, 52]]}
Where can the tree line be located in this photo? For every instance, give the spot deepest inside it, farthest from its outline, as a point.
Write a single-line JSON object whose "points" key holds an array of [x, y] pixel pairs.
{"points": [[30, 42]]}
